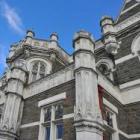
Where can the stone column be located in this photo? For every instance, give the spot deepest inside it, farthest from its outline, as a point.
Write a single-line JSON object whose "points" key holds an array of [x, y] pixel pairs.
{"points": [[14, 94], [88, 118]]}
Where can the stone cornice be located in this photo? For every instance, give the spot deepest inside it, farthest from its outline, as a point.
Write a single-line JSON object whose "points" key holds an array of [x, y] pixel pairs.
{"points": [[128, 22]]}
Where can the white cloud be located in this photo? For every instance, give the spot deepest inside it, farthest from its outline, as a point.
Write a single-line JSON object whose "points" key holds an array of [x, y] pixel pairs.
{"points": [[12, 17]]}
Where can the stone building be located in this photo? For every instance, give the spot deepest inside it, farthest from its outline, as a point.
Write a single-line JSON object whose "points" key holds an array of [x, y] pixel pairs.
{"points": [[93, 94]]}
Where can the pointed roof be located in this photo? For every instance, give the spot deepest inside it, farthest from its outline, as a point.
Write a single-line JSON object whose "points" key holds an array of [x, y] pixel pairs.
{"points": [[130, 8]]}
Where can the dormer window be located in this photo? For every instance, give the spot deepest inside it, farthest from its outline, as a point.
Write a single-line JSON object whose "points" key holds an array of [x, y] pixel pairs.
{"points": [[38, 70]]}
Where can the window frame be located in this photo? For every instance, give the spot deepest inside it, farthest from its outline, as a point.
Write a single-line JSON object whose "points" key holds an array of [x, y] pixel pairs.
{"points": [[114, 111], [38, 72], [110, 66], [30, 63], [51, 101], [53, 121]]}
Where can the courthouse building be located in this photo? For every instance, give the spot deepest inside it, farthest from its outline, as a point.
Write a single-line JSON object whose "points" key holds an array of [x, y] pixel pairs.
{"points": [[93, 94]]}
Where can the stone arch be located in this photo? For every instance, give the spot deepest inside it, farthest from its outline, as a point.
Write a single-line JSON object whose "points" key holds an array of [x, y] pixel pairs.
{"points": [[106, 67], [38, 68]]}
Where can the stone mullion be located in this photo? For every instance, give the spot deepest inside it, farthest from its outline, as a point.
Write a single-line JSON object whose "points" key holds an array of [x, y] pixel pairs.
{"points": [[52, 125], [115, 135], [38, 72]]}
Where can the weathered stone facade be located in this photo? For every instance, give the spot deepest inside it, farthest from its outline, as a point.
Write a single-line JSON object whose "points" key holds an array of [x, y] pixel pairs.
{"points": [[93, 94]]}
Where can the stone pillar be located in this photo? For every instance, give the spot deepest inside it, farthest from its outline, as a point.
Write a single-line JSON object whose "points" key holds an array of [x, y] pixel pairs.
{"points": [[88, 118], [109, 35], [14, 101], [29, 37], [54, 41], [54, 37]]}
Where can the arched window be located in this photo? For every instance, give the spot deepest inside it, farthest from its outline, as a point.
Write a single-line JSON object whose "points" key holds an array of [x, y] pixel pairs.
{"points": [[103, 69], [38, 70], [106, 66]]}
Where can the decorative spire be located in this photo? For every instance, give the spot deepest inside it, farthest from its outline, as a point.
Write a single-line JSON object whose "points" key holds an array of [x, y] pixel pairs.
{"points": [[54, 37], [30, 33]]}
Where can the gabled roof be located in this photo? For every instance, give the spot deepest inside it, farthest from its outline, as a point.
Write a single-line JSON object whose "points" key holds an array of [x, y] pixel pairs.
{"points": [[130, 8]]}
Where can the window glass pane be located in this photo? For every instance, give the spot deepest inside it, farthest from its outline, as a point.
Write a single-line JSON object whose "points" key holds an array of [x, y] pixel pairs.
{"points": [[59, 132], [47, 133], [35, 67], [47, 115], [103, 69], [42, 70], [34, 71], [34, 76], [107, 116], [59, 112]]}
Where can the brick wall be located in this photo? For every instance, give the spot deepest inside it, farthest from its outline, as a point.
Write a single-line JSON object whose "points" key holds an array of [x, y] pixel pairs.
{"points": [[31, 111], [128, 70], [30, 133]]}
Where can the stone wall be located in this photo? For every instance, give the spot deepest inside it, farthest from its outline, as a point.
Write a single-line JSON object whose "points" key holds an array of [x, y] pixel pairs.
{"points": [[30, 133], [128, 70], [126, 39], [133, 118]]}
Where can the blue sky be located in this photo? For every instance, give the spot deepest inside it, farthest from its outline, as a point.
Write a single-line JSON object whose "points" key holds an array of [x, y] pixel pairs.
{"points": [[46, 16]]}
